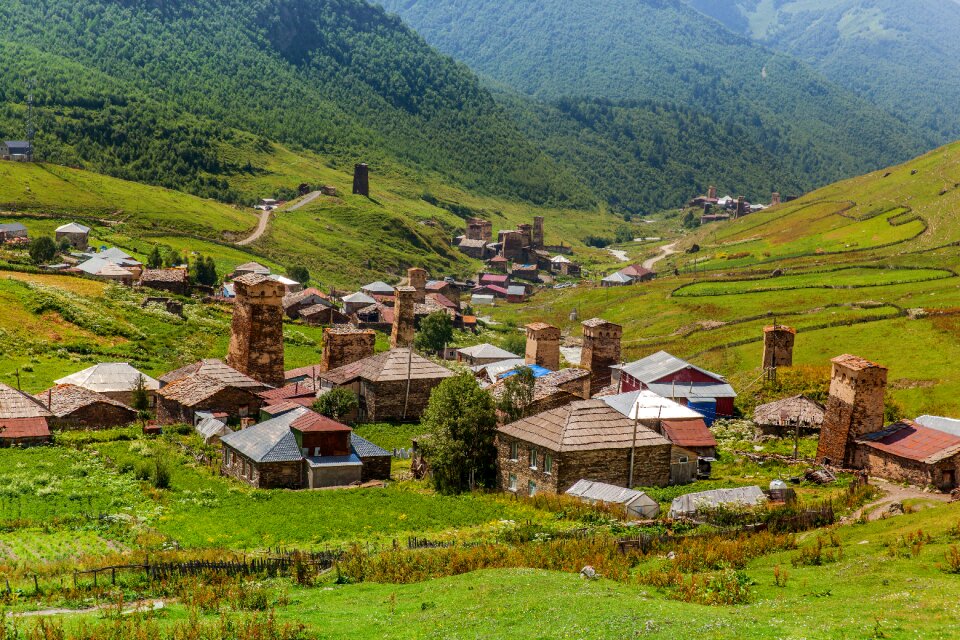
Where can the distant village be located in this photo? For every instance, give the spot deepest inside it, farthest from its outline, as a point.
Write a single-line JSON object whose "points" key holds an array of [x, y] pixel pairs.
{"points": [[714, 209]]}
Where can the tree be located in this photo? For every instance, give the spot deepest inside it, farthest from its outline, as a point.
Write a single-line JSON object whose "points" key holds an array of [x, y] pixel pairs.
{"points": [[171, 259], [65, 245], [436, 331], [210, 272], [299, 273], [42, 250], [204, 271], [336, 403], [461, 421], [155, 259], [518, 392], [514, 342], [140, 398]]}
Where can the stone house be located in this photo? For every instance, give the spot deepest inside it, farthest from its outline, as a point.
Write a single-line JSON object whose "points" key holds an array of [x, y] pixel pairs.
{"points": [[23, 419], [476, 249], [175, 281], [585, 440], [214, 368], [17, 150], [250, 268], [552, 390], [394, 385], [483, 354], [357, 301], [13, 232], [74, 407], [116, 380], [180, 401], [76, 234], [294, 303], [909, 452], [300, 449], [323, 314]]}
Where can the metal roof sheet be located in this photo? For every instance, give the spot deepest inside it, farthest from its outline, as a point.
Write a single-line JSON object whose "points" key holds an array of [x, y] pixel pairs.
{"points": [[269, 441], [377, 287], [907, 439], [689, 504], [689, 433], [487, 351], [693, 391], [660, 365], [109, 377], [947, 425], [15, 428], [602, 492], [73, 227]]}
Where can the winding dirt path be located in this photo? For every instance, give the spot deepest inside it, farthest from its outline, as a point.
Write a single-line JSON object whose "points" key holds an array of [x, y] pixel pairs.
{"points": [[132, 607], [894, 493], [265, 218], [665, 252]]}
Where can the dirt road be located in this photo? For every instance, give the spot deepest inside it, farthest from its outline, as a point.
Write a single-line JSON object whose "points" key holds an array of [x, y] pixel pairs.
{"points": [[665, 252], [894, 493], [265, 218]]}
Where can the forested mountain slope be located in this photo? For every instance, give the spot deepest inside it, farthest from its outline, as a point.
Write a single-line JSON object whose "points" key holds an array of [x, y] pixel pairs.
{"points": [[664, 51], [902, 56]]}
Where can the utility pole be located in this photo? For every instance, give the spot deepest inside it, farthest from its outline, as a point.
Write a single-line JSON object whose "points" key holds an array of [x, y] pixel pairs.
{"points": [[31, 131]]}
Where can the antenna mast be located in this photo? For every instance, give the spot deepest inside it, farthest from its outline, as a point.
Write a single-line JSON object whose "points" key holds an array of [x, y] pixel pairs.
{"points": [[30, 127]]}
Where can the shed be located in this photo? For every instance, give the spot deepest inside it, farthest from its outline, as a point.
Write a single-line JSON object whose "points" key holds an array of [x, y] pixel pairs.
{"points": [[76, 234], [479, 300], [639, 505], [688, 505], [789, 413]]}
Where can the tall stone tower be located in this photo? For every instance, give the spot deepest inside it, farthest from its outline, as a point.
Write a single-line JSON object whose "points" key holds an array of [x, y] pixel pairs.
{"points": [[417, 278], [774, 199], [404, 316], [343, 345], [855, 408], [538, 242], [543, 345], [361, 180], [778, 346], [256, 338], [526, 231], [711, 192], [601, 350]]}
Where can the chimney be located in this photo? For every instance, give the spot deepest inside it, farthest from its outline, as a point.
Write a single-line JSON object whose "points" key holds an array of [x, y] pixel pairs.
{"points": [[417, 278], [403, 318], [543, 345], [601, 350], [361, 180]]}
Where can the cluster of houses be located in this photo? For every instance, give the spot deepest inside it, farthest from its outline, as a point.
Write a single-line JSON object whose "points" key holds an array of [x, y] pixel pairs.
{"points": [[630, 275], [729, 208], [16, 150]]}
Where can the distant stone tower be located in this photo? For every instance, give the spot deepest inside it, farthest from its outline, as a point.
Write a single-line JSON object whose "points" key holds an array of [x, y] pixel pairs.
{"points": [[361, 180], [526, 230], [778, 346], [600, 351], [543, 345], [404, 317], [417, 278], [855, 408], [774, 199], [256, 339], [741, 206], [343, 345], [538, 242], [711, 192]]}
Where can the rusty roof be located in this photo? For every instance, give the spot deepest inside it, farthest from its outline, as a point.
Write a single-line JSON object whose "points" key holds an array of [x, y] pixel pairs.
{"points": [[15, 428], [308, 371], [64, 399], [16, 405], [912, 441], [856, 362], [303, 389], [312, 422], [688, 433], [586, 425]]}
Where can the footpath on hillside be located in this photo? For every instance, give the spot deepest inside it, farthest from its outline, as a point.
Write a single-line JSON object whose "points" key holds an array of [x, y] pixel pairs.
{"points": [[265, 218]]}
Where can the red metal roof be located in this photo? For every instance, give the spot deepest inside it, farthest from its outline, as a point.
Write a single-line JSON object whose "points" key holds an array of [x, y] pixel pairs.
{"points": [[303, 389], [17, 428], [312, 422], [688, 433], [494, 278], [907, 439]]}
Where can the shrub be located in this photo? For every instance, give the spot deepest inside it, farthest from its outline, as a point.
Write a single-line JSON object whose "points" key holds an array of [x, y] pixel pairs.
{"points": [[780, 576], [953, 560], [336, 403], [43, 250], [160, 474]]}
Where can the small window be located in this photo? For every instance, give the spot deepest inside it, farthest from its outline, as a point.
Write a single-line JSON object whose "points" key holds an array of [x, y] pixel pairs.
{"points": [[533, 458], [547, 463], [683, 459], [532, 488], [513, 482], [514, 451]]}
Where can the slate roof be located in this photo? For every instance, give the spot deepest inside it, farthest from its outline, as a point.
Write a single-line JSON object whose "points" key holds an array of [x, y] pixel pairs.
{"points": [[73, 227], [292, 299], [253, 267], [487, 351], [378, 287], [907, 439], [64, 399], [790, 411], [177, 276], [17, 405], [214, 368], [855, 362], [584, 425], [688, 433], [109, 377], [366, 449], [253, 279], [315, 309], [193, 390], [660, 365], [390, 366], [360, 298], [474, 244], [269, 441]]}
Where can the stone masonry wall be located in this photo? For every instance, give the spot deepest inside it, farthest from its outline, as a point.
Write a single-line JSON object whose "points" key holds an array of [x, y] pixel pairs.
{"points": [[342, 347], [890, 467], [404, 318], [385, 400], [96, 416], [271, 475], [543, 346], [601, 350], [778, 347], [256, 340], [855, 408]]}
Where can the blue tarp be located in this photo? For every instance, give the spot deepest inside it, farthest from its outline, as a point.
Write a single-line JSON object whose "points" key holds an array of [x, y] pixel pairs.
{"points": [[538, 372]]}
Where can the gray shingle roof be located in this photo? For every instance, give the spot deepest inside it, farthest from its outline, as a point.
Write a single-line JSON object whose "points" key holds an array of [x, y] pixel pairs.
{"points": [[16, 404], [389, 366], [73, 227], [378, 287], [269, 441], [487, 351], [366, 449], [659, 365], [214, 368]]}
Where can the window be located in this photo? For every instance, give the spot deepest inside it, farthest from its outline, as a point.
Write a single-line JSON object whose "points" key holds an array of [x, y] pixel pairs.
{"points": [[683, 459], [514, 451], [547, 463], [532, 488], [533, 458], [513, 482]]}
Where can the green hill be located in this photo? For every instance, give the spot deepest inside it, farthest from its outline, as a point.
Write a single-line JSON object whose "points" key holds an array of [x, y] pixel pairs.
{"points": [[814, 130], [898, 55]]}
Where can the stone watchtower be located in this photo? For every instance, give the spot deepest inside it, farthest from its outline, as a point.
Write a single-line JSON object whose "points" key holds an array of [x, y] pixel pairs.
{"points": [[361, 180], [601, 350], [778, 346], [543, 345], [775, 199], [538, 242], [256, 339], [404, 316], [855, 408], [712, 192], [417, 279], [343, 345]]}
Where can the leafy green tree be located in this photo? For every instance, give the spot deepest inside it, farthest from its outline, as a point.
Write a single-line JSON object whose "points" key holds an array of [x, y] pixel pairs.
{"points": [[204, 271], [299, 273], [210, 272], [514, 342], [171, 258], [155, 259], [65, 246], [518, 392], [336, 403], [43, 250], [461, 421], [435, 333], [140, 396]]}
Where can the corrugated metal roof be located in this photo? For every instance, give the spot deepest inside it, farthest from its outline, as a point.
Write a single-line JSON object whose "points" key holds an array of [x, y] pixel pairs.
{"points": [[73, 227], [516, 290], [689, 504], [907, 439], [211, 427], [359, 298], [16, 428], [660, 365], [647, 405], [109, 377], [487, 352], [603, 492], [693, 391], [689, 433], [947, 425], [377, 287], [270, 441], [618, 277]]}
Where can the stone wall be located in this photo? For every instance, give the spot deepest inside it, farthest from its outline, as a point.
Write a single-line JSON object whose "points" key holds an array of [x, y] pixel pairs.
{"points": [[778, 346], [418, 280], [237, 403], [537, 233], [855, 408], [384, 401], [256, 339], [376, 468], [520, 468], [404, 318], [95, 416], [543, 346], [343, 346], [890, 467], [268, 475], [601, 350]]}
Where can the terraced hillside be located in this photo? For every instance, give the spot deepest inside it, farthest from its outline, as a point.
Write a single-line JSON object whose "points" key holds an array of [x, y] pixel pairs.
{"points": [[867, 266]]}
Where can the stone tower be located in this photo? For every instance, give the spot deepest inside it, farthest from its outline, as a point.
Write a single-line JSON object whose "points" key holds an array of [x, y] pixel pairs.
{"points": [[417, 278], [538, 242], [526, 231], [601, 350], [361, 180], [774, 199], [778, 346], [256, 338], [343, 345], [741, 207], [404, 317], [543, 345], [711, 192], [855, 408]]}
